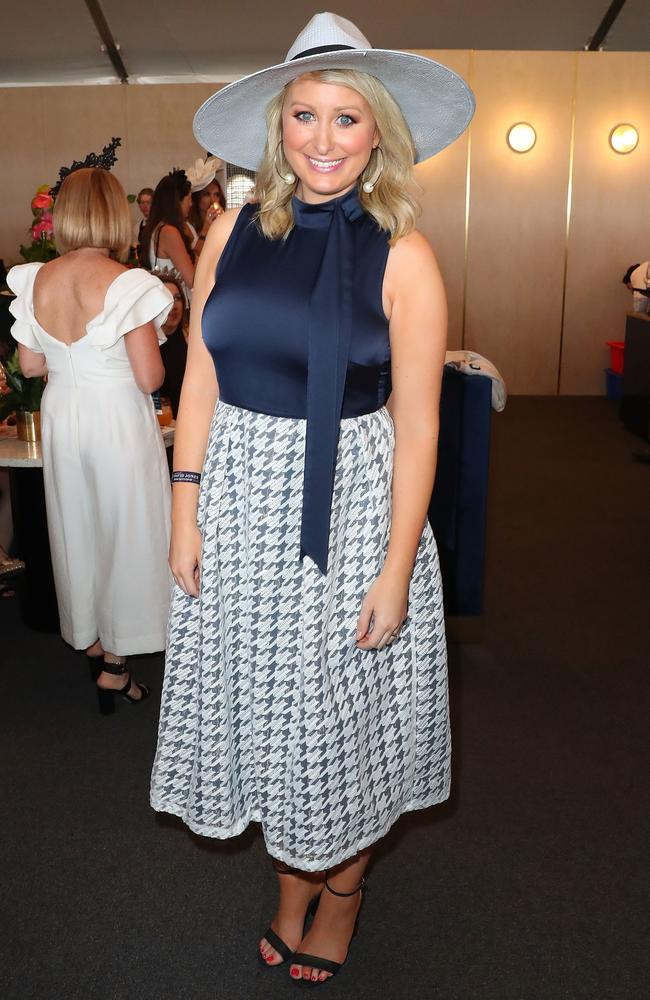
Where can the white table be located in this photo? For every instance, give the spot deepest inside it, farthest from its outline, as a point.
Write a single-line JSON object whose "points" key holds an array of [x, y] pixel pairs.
{"points": [[25, 463], [15, 454]]}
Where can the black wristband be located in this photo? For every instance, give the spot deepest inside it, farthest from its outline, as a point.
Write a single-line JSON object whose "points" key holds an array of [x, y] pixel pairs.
{"points": [[186, 477]]}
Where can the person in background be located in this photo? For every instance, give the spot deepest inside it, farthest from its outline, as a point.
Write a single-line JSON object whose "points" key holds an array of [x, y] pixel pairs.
{"points": [[92, 326], [144, 204], [166, 243], [637, 279], [208, 199], [639, 284], [628, 274], [174, 350]]}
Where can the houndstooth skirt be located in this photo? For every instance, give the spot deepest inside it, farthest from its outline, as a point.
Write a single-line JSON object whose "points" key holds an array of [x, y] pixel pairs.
{"points": [[270, 713]]}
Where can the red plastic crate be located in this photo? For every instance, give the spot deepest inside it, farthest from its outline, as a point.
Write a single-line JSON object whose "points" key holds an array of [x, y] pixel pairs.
{"points": [[617, 351]]}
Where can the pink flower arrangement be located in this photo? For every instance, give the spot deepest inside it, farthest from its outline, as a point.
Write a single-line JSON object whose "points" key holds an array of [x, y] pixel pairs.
{"points": [[42, 202], [41, 230]]}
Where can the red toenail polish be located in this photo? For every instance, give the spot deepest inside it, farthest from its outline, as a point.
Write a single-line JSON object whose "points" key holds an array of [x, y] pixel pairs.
{"points": [[295, 973]]}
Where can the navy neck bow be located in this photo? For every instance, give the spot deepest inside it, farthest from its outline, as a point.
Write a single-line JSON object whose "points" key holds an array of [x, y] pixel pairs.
{"points": [[329, 335]]}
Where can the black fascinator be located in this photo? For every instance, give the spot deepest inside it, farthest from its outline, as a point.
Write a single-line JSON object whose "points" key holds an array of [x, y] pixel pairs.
{"points": [[104, 160]]}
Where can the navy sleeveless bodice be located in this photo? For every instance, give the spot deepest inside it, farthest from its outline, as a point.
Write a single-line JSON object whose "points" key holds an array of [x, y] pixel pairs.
{"points": [[296, 328]]}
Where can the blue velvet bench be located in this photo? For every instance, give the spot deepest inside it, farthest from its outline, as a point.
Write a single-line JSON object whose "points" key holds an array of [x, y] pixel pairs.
{"points": [[458, 508]]}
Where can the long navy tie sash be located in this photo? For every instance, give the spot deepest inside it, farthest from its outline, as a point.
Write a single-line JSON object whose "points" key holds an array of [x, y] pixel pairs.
{"points": [[330, 331]]}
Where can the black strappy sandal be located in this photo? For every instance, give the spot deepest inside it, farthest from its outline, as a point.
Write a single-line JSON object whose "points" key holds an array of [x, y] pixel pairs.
{"points": [[274, 939], [326, 964], [95, 664], [107, 696]]}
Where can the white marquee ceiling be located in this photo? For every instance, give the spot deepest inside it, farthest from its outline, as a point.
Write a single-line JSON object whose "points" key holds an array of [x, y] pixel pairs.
{"points": [[197, 40]]}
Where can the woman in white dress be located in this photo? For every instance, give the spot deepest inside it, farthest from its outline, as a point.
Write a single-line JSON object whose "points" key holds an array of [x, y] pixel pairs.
{"points": [[93, 326]]}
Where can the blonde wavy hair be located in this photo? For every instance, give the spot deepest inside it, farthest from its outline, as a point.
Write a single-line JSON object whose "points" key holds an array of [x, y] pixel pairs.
{"points": [[390, 204]]}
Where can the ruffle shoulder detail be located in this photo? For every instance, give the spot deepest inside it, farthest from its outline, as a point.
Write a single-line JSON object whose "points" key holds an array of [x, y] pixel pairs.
{"points": [[132, 300], [20, 280]]}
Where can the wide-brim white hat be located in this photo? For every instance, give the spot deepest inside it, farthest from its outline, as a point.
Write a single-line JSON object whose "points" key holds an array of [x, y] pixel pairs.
{"points": [[436, 103]]}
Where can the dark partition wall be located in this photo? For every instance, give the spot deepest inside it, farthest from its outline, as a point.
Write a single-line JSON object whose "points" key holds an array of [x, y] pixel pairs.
{"points": [[635, 403]]}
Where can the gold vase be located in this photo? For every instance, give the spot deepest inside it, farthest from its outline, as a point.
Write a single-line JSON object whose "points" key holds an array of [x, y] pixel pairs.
{"points": [[28, 425]]}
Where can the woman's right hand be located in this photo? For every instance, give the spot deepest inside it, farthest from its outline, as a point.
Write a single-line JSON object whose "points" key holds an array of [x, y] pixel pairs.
{"points": [[185, 557]]}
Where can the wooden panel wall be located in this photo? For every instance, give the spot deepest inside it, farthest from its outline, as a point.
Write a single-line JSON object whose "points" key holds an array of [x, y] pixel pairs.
{"points": [[517, 216], [442, 183], [537, 306], [610, 217]]}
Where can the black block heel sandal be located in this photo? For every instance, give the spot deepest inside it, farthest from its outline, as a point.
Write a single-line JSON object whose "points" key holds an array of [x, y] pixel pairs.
{"points": [[326, 964], [107, 696], [274, 939], [95, 666]]}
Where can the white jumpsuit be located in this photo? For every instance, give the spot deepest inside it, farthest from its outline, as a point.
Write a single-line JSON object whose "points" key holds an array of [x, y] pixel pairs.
{"points": [[106, 477]]}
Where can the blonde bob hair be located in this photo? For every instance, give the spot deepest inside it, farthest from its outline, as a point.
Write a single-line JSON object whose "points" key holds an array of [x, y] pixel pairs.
{"points": [[91, 210], [390, 204]]}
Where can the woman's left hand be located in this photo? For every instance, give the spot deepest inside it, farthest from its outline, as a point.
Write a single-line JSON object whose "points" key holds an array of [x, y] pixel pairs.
{"points": [[383, 611], [213, 213]]}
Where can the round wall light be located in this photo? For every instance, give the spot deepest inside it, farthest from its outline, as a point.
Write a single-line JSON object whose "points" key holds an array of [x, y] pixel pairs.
{"points": [[624, 138], [521, 137]]}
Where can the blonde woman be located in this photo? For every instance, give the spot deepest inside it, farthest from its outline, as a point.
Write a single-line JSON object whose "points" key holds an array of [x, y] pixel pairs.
{"points": [[93, 327], [305, 684]]}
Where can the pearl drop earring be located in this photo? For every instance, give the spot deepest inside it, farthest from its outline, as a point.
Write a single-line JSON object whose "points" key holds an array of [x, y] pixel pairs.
{"points": [[369, 186], [289, 177]]}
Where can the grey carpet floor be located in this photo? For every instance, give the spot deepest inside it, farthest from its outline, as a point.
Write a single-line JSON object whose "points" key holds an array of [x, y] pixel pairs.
{"points": [[530, 884]]}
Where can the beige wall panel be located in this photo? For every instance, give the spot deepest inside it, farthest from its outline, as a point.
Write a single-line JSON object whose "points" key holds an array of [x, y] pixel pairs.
{"points": [[22, 168], [610, 219], [159, 123], [442, 200], [81, 120], [516, 247], [517, 216]]}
